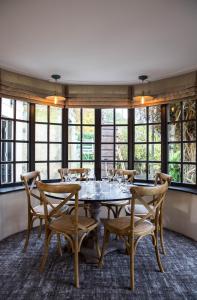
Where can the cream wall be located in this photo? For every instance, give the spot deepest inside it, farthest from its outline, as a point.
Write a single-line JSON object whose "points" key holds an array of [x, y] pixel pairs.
{"points": [[180, 213]]}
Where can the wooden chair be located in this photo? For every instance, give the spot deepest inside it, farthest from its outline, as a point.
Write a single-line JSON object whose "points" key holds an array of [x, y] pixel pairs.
{"points": [[116, 206], [82, 172], [35, 212], [132, 229], [140, 210], [73, 227], [83, 176]]}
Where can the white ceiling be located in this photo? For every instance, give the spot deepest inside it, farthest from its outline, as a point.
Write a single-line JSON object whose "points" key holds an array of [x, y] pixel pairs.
{"points": [[98, 41]]}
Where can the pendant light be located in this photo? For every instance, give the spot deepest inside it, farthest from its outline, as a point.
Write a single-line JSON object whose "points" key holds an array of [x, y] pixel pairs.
{"points": [[143, 97], [55, 98]]}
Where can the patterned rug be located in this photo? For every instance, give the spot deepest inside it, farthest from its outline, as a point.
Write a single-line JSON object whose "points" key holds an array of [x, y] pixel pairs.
{"points": [[20, 277]]}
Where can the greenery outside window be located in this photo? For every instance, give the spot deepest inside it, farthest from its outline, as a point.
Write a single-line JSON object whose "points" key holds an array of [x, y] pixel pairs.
{"points": [[48, 140], [147, 142], [14, 140]]}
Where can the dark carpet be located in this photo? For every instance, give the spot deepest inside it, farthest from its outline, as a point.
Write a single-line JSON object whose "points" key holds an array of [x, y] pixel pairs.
{"points": [[20, 277]]}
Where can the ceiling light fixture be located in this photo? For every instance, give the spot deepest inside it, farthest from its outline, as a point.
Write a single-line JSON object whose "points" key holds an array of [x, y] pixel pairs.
{"points": [[143, 97], [55, 97]]}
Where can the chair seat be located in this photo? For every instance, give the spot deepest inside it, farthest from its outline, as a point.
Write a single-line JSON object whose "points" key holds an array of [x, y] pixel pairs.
{"points": [[122, 226], [39, 209], [116, 203], [140, 209], [65, 224]]}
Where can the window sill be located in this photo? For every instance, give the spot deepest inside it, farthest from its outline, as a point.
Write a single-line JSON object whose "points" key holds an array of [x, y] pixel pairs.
{"points": [[191, 190]]}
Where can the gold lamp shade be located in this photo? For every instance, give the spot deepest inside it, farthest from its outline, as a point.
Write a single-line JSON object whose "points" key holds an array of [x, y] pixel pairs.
{"points": [[55, 98], [143, 97]]}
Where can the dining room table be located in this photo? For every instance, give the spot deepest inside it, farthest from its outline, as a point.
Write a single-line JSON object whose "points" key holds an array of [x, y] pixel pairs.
{"points": [[93, 194]]}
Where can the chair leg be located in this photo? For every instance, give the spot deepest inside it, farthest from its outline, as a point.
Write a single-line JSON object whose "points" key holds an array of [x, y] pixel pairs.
{"points": [[59, 244], [40, 229], [132, 259], [97, 244], [29, 228], [157, 252], [105, 242], [76, 263], [108, 212], [46, 249], [161, 233]]}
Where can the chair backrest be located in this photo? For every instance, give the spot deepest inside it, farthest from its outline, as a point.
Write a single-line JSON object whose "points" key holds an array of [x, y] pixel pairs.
{"points": [[67, 192], [81, 171], [130, 174], [157, 194], [29, 179], [161, 178]]}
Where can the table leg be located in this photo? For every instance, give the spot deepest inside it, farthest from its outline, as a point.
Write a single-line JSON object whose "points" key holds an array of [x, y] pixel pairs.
{"points": [[88, 249]]}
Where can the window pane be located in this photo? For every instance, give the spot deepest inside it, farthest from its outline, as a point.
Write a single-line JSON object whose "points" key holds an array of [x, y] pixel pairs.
{"points": [[140, 115], [41, 133], [140, 133], [141, 170], [174, 112], [88, 134], [55, 133], [152, 169], [121, 152], [20, 169], [175, 171], [121, 165], [21, 152], [189, 110], [41, 113], [107, 152], [89, 165], [154, 133], [74, 151], [6, 151], [104, 167], [107, 134], [74, 165], [7, 108], [6, 129], [107, 116], [154, 114], [122, 134], [55, 114], [140, 152], [22, 131], [88, 116], [55, 151], [41, 152], [189, 131], [174, 132], [174, 152], [154, 152], [42, 168], [121, 116], [88, 152], [53, 170], [74, 116], [189, 174], [7, 173], [74, 133], [189, 152], [22, 110]]}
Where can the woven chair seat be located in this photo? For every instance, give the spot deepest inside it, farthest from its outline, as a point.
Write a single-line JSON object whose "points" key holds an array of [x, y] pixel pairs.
{"points": [[39, 209], [65, 224], [122, 226], [140, 209]]}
